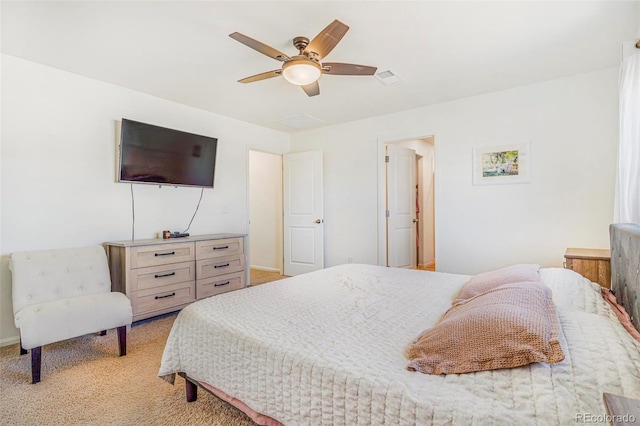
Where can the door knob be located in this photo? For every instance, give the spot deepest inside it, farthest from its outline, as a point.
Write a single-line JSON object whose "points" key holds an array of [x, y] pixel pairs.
{"points": [[318, 221], [415, 220]]}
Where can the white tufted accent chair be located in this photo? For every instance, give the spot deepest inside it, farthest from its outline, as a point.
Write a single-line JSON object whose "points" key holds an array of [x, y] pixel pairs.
{"points": [[64, 293]]}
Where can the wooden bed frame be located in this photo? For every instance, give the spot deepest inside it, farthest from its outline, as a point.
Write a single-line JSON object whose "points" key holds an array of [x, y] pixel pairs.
{"points": [[191, 387], [625, 283]]}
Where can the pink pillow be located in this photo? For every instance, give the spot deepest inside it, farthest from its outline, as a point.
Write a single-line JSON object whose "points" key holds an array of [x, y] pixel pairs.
{"points": [[512, 325], [486, 281]]}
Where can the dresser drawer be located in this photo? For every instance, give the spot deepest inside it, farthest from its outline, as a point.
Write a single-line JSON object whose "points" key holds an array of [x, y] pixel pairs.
{"points": [[163, 297], [219, 248], [219, 266], [155, 276], [161, 254], [220, 284]]}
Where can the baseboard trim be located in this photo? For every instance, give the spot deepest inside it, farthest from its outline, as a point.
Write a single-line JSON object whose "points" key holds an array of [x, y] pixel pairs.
{"points": [[9, 341], [264, 268]]}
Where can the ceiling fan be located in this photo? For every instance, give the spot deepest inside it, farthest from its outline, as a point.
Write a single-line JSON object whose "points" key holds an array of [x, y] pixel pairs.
{"points": [[305, 68]]}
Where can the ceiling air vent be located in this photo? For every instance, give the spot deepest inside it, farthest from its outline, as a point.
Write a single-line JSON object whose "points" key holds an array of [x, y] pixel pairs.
{"points": [[388, 77]]}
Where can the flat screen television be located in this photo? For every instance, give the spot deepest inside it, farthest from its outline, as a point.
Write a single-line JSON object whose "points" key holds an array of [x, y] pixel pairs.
{"points": [[161, 156]]}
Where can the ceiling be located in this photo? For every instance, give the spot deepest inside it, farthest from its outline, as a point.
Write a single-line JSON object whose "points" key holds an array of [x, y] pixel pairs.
{"points": [[441, 51]]}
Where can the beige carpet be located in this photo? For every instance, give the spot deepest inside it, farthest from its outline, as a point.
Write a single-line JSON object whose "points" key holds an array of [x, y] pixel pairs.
{"points": [[260, 277], [84, 382]]}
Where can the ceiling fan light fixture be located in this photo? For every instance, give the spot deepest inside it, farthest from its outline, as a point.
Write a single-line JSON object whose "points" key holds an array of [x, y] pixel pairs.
{"points": [[305, 68], [301, 71]]}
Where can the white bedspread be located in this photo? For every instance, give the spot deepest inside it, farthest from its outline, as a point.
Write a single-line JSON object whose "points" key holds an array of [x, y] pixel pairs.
{"points": [[327, 348]]}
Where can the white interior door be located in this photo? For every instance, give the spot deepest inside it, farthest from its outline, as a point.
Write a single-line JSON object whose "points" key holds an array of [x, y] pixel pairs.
{"points": [[401, 206], [303, 213]]}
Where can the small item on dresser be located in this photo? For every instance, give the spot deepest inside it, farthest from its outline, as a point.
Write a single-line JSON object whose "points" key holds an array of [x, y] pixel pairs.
{"points": [[179, 235], [166, 235]]}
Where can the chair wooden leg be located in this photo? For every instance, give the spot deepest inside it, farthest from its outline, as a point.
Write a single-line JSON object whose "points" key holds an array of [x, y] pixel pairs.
{"points": [[103, 333], [36, 362], [122, 340], [23, 351]]}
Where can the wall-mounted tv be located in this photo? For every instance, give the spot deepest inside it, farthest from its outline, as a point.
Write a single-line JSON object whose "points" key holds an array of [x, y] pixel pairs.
{"points": [[161, 156]]}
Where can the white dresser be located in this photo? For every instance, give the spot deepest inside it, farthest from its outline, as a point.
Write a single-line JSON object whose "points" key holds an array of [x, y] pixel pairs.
{"points": [[161, 276]]}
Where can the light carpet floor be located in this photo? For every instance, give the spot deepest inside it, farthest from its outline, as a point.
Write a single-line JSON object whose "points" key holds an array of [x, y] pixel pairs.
{"points": [[260, 277], [85, 382]]}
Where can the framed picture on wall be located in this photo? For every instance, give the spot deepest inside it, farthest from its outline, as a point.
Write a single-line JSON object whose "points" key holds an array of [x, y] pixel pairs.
{"points": [[502, 164]]}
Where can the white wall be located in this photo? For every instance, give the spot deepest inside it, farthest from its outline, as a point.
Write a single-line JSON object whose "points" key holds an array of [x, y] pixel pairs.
{"points": [[58, 167], [572, 125], [265, 201]]}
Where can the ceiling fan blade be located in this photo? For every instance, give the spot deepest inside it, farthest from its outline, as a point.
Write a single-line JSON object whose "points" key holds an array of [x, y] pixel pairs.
{"points": [[312, 89], [261, 76], [260, 47], [337, 68], [327, 39]]}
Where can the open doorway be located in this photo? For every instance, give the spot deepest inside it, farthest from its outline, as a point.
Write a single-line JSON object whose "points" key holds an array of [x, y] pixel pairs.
{"points": [[265, 217], [415, 236]]}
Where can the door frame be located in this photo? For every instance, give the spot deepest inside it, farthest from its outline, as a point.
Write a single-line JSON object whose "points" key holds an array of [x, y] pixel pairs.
{"points": [[248, 212], [382, 191], [248, 207]]}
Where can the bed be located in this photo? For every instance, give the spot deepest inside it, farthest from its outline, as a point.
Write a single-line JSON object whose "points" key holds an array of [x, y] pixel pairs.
{"points": [[328, 348]]}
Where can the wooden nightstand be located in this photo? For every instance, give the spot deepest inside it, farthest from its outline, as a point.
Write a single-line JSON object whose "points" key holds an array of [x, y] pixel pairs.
{"points": [[593, 264]]}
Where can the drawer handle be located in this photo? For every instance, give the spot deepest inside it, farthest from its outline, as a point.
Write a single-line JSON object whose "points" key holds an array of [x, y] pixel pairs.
{"points": [[221, 247], [165, 275], [221, 266], [222, 284], [171, 253], [166, 295]]}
